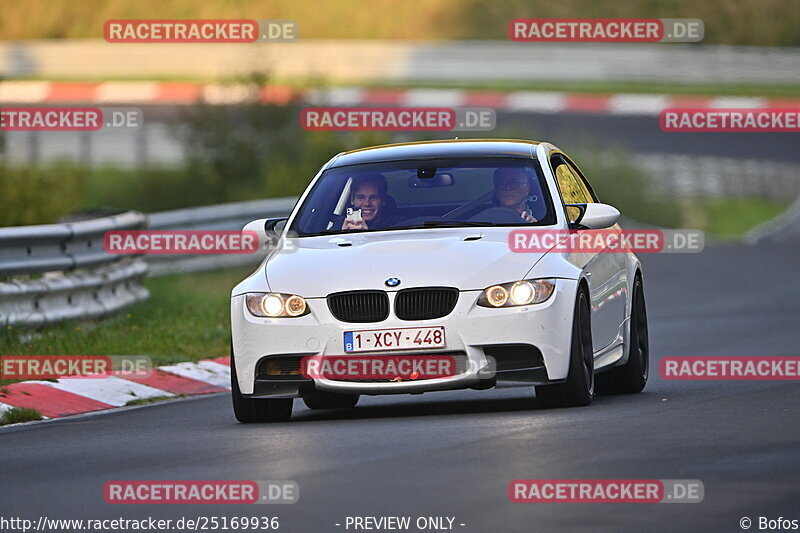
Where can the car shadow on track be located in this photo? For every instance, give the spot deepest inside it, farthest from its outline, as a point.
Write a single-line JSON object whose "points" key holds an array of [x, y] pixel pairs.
{"points": [[428, 408]]}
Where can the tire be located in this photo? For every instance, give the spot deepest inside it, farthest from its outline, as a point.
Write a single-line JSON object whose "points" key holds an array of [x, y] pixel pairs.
{"points": [[632, 376], [578, 389], [251, 410], [317, 399]]}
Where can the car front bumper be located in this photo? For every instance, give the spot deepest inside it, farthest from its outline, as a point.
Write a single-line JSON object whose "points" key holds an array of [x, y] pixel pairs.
{"points": [[470, 330]]}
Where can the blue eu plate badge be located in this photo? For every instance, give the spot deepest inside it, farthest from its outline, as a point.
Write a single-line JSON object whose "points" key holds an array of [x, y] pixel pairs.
{"points": [[348, 341]]}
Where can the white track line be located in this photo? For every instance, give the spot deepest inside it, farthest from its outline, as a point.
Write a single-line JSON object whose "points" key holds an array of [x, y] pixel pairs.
{"points": [[335, 96], [127, 92], [227, 94], [29, 92], [111, 390], [638, 104], [434, 98], [206, 371], [542, 102], [738, 102]]}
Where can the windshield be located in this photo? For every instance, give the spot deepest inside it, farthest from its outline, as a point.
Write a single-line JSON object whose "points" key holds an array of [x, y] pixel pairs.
{"points": [[426, 194]]}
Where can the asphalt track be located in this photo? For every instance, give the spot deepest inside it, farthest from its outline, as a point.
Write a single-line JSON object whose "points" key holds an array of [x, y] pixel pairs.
{"points": [[454, 454]]}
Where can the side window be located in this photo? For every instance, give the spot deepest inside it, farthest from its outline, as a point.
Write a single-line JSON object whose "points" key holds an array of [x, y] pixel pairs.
{"points": [[584, 185], [569, 186]]}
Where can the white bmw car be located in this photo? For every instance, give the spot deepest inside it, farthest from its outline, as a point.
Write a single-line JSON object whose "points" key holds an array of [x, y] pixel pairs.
{"points": [[397, 257]]}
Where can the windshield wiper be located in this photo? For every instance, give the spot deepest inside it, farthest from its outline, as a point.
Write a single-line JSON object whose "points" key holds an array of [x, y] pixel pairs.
{"points": [[449, 224], [434, 223], [426, 224]]}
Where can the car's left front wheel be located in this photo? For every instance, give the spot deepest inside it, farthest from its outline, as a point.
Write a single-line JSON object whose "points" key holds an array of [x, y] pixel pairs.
{"points": [[631, 377]]}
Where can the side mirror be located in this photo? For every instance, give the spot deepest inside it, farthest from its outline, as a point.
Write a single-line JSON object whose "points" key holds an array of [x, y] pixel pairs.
{"points": [[592, 216], [257, 227], [265, 229], [271, 224]]}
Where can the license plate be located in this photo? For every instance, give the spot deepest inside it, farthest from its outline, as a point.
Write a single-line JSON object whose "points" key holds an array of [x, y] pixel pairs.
{"points": [[375, 340]]}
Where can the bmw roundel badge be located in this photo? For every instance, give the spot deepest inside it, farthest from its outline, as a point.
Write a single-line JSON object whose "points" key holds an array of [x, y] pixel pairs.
{"points": [[393, 282]]}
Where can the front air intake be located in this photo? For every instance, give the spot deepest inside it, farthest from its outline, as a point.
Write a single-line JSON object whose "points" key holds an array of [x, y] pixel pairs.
{"points": [[359, 306], [425, 303]]}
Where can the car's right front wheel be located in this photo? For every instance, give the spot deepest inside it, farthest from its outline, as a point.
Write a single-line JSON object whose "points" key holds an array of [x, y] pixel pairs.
{"points": [[578, 389], [249, 410]]}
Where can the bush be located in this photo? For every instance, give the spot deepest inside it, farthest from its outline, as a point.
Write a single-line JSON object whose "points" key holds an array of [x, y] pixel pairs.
{"points": [[234, 153], [40, 194], [253, 150], [740, 22], [149, 188]]}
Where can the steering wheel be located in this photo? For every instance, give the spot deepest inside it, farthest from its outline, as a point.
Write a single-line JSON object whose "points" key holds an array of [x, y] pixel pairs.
{"points": [[499, 215]]}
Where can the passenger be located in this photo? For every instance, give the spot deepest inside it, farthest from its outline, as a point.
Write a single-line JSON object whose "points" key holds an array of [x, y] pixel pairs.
{"points": [[370, 195]]}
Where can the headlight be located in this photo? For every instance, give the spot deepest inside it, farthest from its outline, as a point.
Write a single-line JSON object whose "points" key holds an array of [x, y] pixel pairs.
{"points": [[276, 305], [516, 293], [496, 296]]}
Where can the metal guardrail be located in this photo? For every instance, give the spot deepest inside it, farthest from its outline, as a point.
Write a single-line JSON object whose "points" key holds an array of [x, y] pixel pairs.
{"points": [[232, 216], [61, 247], [55, 272], [78, 278], [692, 176]]}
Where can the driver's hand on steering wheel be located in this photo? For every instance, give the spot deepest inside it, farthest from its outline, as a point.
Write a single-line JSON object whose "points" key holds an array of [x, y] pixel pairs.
{"points": [[527, 218]]}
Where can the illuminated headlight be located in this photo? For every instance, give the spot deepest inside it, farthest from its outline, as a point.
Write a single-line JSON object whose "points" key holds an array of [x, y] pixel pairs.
{"points": [[276, 305], [496, 296], [516, 293], [295, 306]]}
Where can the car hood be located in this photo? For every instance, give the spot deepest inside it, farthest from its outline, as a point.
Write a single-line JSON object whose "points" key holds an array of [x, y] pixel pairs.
{"points": [[466, 258]]}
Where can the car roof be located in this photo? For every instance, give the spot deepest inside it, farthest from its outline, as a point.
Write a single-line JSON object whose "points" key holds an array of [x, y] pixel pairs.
{"points": [[450, 148]]}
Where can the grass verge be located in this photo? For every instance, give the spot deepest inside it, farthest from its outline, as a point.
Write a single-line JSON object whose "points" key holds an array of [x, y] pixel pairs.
{"points": [[726, 219], [187, 318], [609, 87], [16, 415]]}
